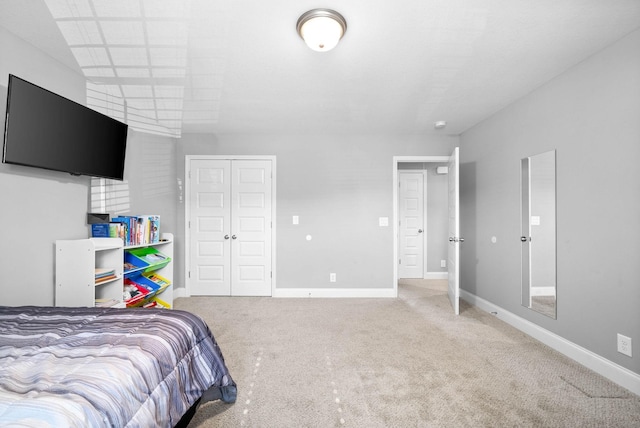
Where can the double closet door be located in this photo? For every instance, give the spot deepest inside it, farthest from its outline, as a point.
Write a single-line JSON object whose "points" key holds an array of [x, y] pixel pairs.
{"points": [[230, 224]]}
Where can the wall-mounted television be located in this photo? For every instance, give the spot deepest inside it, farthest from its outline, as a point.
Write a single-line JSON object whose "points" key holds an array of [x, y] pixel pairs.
{"points": [[45, 130]]}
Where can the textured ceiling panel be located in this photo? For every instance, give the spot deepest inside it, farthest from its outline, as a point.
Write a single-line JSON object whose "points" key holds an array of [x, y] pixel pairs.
{"points": [[239, 66]]}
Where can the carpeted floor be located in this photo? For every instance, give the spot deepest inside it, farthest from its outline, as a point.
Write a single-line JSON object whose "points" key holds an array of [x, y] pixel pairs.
{"points": [[406, 362]]}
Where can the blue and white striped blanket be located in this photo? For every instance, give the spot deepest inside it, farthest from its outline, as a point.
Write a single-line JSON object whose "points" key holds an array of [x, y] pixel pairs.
{"points": [[95, 367]]}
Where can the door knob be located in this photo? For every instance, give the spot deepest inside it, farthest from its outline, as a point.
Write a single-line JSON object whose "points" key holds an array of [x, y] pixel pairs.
{"points": [[450, 239], [233, 236], [525, 239], [226, 236], [461, 239], [419, 230]]}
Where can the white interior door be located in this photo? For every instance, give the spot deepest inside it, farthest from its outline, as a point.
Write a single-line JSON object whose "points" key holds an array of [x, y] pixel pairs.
{"points": [[209, 228], [411, 204], [251, 228], [229, 226], [454, 231]]}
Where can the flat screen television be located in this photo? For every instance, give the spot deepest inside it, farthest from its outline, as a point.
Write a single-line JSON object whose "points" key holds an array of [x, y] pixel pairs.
{"points": [[46, 130]]}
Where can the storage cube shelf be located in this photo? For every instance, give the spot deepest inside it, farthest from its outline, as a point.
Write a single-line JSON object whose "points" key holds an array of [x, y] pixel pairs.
{"points": [[95, 271]]}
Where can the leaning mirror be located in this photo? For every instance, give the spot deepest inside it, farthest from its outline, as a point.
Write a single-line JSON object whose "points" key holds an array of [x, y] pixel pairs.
{"points": [[538, 196]]}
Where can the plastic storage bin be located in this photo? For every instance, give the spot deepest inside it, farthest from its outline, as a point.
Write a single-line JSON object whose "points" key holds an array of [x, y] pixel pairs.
{"points": [[148, 257], [133, 265], [133, 287], [147, 289], [158, 280]]}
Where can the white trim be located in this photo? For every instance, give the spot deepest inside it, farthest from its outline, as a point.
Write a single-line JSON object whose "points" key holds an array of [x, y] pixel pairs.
{"points": [[542, 291], [612, 371], [436, 275], [187, 180], [335, 292], [179, 292], [396, 161]]}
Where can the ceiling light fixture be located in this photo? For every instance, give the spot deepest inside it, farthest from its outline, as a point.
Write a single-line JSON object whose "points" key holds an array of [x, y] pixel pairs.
{"points": [[321, 29]]}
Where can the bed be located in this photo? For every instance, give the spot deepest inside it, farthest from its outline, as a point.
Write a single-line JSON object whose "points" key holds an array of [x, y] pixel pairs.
{"points": [[95, 367]]}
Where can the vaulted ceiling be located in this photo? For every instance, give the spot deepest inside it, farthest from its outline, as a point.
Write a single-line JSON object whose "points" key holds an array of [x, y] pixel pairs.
{"points": [[239, 66]]}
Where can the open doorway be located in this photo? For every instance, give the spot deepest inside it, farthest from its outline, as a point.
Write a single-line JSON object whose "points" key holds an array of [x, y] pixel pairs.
{"points": [[422, 220], [410, 169]]}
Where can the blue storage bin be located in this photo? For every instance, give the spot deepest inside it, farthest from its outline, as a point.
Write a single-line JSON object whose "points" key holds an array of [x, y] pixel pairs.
{"points": [[148, 285], [133, 265]]}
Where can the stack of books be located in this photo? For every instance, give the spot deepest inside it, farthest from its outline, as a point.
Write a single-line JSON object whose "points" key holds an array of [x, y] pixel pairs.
{"points": [[104, 275]]}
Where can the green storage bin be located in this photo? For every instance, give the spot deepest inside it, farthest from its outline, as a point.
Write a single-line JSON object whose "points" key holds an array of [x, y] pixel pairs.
{"points": [[154, 258]]}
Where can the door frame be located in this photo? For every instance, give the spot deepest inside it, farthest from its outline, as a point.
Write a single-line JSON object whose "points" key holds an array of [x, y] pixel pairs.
{"points": [[396, 161], [187, 213]]}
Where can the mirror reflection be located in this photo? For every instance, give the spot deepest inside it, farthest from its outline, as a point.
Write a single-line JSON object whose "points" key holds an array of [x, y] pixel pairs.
{"points": [[538, 195]]}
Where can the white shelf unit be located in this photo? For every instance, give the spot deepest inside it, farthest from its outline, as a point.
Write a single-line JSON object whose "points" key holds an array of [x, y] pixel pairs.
{"points": [[77, 260], [165, 246]]}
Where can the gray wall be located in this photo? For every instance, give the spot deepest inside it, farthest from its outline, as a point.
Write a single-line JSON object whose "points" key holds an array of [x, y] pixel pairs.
{"points": [[589, 114], [339, 186], [150, 169], [39, 206]]}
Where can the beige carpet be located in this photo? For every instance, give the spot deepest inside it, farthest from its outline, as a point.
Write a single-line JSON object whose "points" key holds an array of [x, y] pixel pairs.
{"points": [[406, 362]]}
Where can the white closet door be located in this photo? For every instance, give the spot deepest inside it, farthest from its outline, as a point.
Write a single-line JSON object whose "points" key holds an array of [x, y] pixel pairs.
{"points": [[411, 203], [230, 227], [210, 228], [251, 228]]}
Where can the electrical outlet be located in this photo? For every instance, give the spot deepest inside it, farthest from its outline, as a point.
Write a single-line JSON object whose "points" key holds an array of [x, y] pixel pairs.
{"points": [[332, 277], [624, 345], [443, 263]]}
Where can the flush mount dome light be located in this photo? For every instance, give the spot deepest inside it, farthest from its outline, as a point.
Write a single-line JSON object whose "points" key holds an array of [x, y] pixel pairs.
{"points": [[321, 29]]}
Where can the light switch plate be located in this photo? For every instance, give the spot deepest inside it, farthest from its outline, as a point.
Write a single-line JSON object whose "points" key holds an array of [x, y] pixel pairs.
{"points": [[383, 221], [296, 219]]}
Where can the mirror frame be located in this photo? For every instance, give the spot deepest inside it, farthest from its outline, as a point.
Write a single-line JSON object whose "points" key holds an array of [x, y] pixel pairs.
{"points": [[542, 246]]}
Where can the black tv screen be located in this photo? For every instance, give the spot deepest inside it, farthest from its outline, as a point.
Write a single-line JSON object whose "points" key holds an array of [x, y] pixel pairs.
{"points": [[46, 130]]}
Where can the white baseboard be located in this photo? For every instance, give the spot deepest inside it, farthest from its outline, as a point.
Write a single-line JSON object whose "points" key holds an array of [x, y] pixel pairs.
{"points": [[335, 292], [436, 275], [543, 291], [319, 292], [612, 371]]}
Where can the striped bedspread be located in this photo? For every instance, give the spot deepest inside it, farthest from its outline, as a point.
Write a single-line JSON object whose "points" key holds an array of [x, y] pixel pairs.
{"points": [[95, 367]]}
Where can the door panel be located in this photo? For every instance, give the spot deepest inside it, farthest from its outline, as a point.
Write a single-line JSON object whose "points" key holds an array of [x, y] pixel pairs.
{"points": [[454, 231], [251, 255], [411, 203], [210, 219]]}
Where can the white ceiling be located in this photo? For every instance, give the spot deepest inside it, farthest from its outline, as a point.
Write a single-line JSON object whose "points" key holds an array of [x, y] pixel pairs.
{"points": [[239, 66]]}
